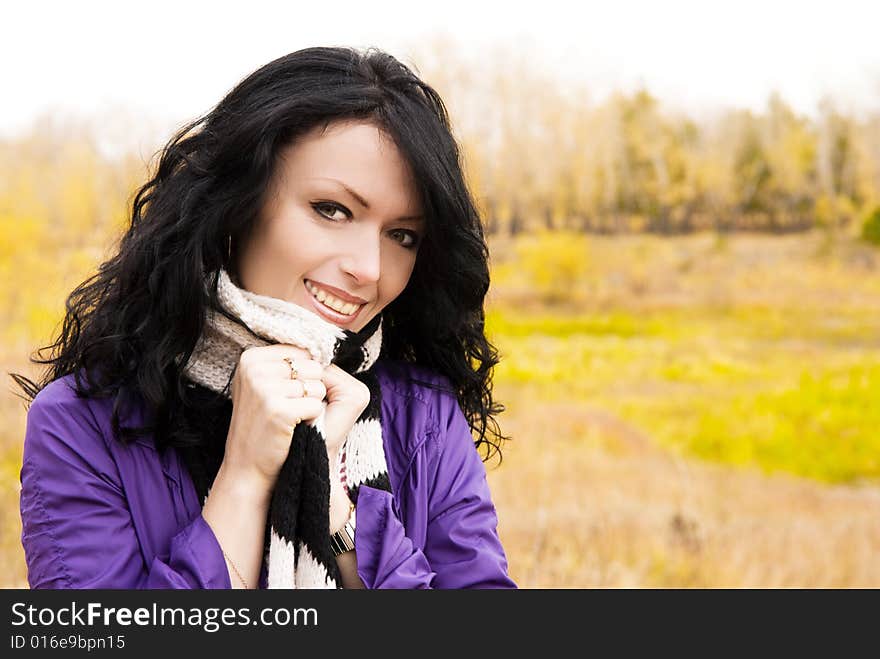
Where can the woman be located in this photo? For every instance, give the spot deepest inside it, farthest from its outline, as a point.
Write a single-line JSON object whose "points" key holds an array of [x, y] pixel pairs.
{"points": [[274, 381]]}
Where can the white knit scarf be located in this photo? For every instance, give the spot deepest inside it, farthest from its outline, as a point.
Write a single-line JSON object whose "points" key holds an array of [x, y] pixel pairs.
{"points": [[299, 553]]}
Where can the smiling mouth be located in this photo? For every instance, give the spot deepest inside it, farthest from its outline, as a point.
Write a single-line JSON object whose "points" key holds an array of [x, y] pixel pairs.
{"points": [[331, 303]]}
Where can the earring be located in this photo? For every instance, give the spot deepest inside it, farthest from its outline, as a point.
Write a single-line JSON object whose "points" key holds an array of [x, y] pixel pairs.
{"points": [[229, 249]]}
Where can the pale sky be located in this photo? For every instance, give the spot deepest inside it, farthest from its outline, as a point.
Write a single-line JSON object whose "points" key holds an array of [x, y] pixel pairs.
{"points": [[173, 60]]}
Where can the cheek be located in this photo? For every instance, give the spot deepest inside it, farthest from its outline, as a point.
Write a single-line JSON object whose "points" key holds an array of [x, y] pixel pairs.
{"points": [[297, 243]]}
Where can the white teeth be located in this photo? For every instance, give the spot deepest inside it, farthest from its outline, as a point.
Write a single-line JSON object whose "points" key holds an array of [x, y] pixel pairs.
{"points": [[345, 308]]}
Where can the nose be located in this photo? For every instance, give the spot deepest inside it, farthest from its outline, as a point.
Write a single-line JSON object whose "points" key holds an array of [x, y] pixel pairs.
{"points": [[364, 259]]}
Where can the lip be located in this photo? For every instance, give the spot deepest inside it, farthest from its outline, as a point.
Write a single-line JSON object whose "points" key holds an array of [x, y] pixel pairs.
{"points": [[331, 315], [342, 295]]}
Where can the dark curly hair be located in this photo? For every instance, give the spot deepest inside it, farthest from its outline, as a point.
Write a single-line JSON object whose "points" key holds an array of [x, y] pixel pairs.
{"points": [[131, 327]]}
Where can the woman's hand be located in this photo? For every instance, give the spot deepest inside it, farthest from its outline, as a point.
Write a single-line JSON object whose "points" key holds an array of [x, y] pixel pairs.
{"points": [[347, 398], [266, 407]]}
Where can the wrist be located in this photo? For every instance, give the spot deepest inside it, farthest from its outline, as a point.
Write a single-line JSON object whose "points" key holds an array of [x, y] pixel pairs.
{"points": [[248, 488], [340, 507], [333, 461]]}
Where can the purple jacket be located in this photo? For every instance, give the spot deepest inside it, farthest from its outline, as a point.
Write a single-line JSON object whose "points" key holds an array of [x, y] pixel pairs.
{"points": [[98, 514]]}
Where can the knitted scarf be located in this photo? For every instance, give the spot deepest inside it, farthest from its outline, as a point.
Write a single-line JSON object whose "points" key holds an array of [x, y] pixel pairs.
{"points": [[297, 544]]}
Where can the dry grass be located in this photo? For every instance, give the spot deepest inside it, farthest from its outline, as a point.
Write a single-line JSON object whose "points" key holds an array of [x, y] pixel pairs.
{"points": [[585, 500]]}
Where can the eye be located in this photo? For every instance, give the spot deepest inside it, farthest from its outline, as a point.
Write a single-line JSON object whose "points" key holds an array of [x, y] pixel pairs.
{"points": [[327, 209], [408, 239]]}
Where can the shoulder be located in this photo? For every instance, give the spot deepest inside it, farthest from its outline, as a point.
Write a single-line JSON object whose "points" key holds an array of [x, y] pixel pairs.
{"points": [[60, 415], [60, 397], [64, 440]]}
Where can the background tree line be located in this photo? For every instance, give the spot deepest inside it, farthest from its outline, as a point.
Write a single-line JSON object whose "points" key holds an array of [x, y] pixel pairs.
{"points": [[541, 153]]}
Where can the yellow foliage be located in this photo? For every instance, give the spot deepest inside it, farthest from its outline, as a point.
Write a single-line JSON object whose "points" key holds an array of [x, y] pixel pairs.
{"points": [[553, 264]]}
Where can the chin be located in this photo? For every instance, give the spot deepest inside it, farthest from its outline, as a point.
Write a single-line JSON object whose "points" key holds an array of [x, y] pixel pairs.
{"points": [[363, 322]]}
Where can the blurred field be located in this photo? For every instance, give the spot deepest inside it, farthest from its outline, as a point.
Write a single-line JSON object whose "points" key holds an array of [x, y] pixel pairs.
{"points": [[628, 357], [688, 411]]}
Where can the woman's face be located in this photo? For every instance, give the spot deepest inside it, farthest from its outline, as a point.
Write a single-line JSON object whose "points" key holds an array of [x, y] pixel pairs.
{"points": [[342, 225]]}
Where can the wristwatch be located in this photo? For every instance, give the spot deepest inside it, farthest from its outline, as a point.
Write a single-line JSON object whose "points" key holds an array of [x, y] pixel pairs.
{"points": [[343, 540]]}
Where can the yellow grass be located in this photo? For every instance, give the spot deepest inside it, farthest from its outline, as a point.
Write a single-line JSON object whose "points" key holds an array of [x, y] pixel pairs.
{"points": [[586, 500], [626, 362]]}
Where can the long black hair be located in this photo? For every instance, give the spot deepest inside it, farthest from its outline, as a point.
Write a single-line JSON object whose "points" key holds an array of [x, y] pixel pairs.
{"points": [[133, 325]]}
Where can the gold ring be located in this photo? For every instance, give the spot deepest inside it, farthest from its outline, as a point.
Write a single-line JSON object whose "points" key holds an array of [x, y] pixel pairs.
{"points": [[305, 389], [293, 372]]}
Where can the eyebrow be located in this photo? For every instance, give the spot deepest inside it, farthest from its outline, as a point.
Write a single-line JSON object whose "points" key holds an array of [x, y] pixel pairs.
{"points": [[363, 202]]}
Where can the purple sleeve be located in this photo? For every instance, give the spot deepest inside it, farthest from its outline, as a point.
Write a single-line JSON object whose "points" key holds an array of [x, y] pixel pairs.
{"points": [[77, 529], [386, 558], [462, 548]]}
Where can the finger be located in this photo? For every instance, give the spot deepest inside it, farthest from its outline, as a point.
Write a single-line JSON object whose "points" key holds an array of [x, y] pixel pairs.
{"points": [[303, 389], [333, 376], [275, 352], [297, 369], [314, 389], [303, 365], [341, 385], [304, 409]]}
